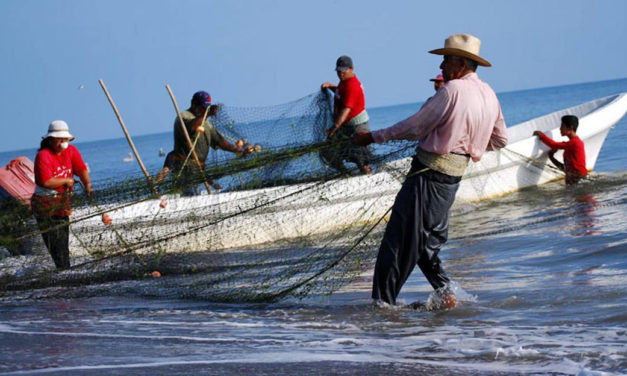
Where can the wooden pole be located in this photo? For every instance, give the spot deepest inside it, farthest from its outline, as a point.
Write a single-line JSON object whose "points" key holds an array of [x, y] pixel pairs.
{"points": [[128, 138], [189, 140]]}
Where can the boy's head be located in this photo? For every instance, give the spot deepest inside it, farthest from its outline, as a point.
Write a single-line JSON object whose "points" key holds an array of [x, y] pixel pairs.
{"points": [[570, 122]]}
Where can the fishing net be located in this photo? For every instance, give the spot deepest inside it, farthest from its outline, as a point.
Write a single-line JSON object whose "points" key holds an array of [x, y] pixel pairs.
{"points": [[286, 222], [294, 217]]}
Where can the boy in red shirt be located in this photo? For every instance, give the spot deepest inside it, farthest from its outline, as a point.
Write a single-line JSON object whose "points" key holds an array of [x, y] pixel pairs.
{"points": [[350, 118], [574, 153]]}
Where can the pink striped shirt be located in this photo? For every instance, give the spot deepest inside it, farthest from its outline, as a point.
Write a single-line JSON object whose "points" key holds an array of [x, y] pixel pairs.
{"points": [[463, 117]]}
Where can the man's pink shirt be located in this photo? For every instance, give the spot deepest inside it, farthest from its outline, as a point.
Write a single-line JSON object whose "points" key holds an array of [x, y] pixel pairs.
{"points": [[463, 117]]}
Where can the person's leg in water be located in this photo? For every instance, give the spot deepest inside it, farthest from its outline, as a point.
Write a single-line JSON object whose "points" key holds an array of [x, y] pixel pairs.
{"points": [[436, 223], [417, 228], [398, 252]]}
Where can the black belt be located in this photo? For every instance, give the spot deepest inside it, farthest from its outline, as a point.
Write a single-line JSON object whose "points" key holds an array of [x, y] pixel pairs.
{"points": [[462, 154]]}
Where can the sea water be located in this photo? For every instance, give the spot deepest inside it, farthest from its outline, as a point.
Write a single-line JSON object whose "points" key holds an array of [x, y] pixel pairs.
{"points": [[545, 270]]}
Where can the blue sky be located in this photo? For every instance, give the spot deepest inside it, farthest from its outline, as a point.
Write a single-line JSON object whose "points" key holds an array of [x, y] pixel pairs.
{"points": [[257, 53]]}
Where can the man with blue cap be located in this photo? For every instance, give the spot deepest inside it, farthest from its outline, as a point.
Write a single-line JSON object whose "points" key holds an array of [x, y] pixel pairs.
{"points": [[204, 136]]}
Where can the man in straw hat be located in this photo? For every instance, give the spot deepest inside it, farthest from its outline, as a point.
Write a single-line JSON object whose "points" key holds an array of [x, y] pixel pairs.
{"points": [[460, 122]]}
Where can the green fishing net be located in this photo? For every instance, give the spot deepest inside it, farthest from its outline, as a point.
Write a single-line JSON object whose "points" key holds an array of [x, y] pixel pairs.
{"points": [[286, 222]]}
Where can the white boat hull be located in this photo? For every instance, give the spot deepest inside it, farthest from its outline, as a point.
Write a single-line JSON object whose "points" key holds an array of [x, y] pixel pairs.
{"points": [[245, 219]]}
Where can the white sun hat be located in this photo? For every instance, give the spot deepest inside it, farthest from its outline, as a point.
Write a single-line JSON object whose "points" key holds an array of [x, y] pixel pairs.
{"points": [[59, 129]]}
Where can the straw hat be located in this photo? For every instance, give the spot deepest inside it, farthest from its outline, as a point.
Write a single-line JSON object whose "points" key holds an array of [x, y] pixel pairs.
{"points": [[59, 129], [464, 45]]}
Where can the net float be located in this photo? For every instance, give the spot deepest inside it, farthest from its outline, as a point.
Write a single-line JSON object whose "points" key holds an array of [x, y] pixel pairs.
{"points": [[106, 219]]}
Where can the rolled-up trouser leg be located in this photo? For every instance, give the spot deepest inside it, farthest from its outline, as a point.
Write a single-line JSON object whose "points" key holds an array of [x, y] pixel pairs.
{"points": [[417, 228], [359, 155]]}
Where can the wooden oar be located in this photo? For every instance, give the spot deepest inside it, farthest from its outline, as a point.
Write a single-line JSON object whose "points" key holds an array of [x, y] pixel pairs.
{"points": [[189, 140], [128, 138]]}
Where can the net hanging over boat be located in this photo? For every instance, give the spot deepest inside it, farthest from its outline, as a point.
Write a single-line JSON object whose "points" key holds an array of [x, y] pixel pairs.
{"points": [[289, 221], [286, 222]]}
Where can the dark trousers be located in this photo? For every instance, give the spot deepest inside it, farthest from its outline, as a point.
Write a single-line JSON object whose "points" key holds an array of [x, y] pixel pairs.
{"points": [[190, 179], [417, 229], [342, 149], [572, 177], [57, 240]]}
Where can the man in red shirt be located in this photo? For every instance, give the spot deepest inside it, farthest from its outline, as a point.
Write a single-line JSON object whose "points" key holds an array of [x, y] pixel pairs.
{"points": [[574, 153], [350, 118]]}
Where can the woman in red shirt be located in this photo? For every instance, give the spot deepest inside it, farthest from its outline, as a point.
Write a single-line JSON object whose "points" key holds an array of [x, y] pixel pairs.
{"points": [[574, 153], [55, 166]]}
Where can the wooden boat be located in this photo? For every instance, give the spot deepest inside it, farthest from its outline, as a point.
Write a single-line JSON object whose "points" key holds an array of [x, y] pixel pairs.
{"points": [[245, 219]]}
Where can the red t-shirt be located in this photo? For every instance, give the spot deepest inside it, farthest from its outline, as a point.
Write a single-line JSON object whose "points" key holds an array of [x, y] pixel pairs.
{"points": [[574, 154], [49, 165], [350, 93]]}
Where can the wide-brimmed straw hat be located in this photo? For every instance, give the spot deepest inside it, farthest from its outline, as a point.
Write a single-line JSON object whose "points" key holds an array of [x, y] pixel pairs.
{"points": [[59, 129], [464, 45]]}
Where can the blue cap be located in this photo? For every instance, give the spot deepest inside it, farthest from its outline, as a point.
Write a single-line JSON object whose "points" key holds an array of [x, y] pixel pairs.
{"points": [[203, 98], [343, 63]]}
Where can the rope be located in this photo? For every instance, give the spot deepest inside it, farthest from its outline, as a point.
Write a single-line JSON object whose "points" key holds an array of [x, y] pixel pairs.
{"points": [[533, 160], [345, 254], [191, 150], [115, 231]]}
